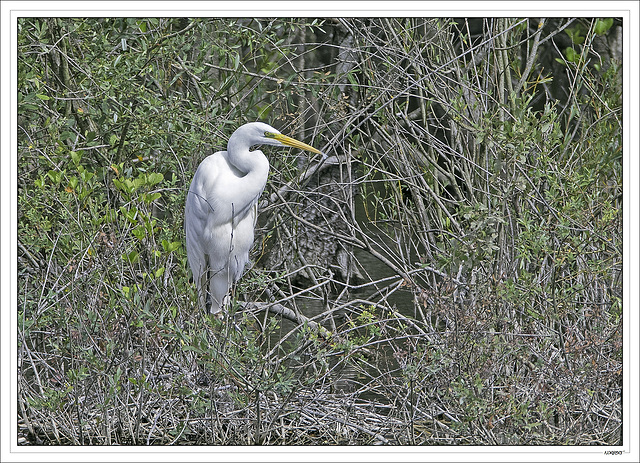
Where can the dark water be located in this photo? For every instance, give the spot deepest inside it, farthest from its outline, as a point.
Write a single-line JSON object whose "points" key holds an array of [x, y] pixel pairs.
{"points": [[380, 286], [346, 378]]}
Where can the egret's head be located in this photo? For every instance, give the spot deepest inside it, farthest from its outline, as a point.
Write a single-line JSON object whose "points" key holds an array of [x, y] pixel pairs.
{"points": [[259, 133]]}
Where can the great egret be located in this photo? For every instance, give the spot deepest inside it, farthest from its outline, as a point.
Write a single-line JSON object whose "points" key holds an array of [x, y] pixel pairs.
{"points": [[221, 209]]}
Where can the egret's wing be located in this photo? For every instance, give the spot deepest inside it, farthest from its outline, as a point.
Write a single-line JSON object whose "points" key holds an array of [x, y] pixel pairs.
{"points": [[219, 192], [203, 195], [220, 213], [200, 213]]}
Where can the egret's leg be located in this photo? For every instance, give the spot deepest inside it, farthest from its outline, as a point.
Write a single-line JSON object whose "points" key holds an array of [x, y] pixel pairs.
{"points": [[201, 284], [218, 289], [198, 266]]}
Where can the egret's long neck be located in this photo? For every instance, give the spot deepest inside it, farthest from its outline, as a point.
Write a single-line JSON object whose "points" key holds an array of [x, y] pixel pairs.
{"points": [[239, 155], [247, 162], [254, 166]]}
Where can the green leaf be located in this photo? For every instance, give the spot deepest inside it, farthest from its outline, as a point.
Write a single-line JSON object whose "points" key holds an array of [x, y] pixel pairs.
{"points": [[139, 232], [575, 33], [66, 135], [55, 176], [148, 198], [43, 97], [352, 80], [170, 246], [571, 54], [131, 257], [75, 157], [86, 175], [155, 178], [603, 25], [118, 184], [130, 214]]}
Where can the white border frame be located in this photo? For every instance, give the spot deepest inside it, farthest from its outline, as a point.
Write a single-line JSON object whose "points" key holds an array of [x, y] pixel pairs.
{"points": [[11, 10]]}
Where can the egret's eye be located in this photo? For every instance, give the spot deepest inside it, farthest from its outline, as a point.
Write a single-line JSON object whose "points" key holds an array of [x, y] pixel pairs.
{"points": [[269, 134]]}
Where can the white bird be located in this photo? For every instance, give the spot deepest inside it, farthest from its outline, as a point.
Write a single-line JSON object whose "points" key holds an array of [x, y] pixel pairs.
{"points": [[221, 210]]}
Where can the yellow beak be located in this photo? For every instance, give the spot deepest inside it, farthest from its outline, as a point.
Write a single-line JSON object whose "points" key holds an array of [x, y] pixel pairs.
{"points": [[294, 143]]}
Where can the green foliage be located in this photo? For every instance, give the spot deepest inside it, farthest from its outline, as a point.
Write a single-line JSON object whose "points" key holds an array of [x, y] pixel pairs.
{"points": [[114, 115], [581, 33], [365, 327]]}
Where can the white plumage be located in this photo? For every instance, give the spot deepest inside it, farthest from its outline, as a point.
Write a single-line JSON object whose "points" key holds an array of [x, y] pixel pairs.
{"points": [[221, 210]]}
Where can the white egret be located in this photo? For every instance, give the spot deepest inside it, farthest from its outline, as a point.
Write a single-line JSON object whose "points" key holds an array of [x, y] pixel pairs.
{"points": [[221, 210]]}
